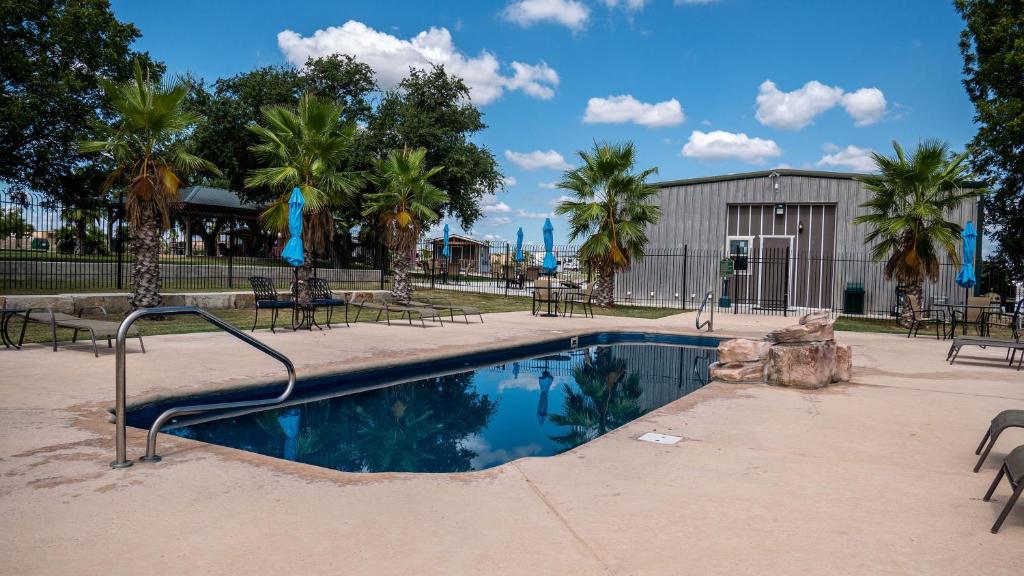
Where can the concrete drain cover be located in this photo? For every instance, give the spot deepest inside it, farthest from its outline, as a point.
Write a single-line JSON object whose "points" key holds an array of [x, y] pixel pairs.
{"points": [[659, 438]]}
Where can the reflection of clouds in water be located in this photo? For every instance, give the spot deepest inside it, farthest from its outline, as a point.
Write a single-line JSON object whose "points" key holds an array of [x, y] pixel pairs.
{"points": [[528, 381], [486, 456]]}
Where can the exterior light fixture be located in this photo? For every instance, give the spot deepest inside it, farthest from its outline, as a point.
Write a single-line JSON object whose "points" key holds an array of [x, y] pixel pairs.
{"points": [[800, 227], [780, 209], [652, 294]]}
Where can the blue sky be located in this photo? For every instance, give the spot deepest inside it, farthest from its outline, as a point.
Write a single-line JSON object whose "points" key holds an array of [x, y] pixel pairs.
{"points": [[702, 87]]}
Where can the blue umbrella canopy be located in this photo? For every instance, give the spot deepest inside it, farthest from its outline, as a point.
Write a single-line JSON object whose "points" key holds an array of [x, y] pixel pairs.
{"points": [[289, 422], [545, 381], [444, 249], [966, 277], [519, 245], [550, 264], [292, 252]]}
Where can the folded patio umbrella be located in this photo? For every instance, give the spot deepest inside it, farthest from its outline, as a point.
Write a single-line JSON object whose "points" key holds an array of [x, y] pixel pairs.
{"points": [[289, 422], [966, 277], [519, 245], [445, 252], [292, 252], [550, 264], [545, 381]]}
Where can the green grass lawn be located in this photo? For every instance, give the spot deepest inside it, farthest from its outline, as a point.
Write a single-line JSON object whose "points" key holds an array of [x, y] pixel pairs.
{"points": [[891, 327], [486, 303]]}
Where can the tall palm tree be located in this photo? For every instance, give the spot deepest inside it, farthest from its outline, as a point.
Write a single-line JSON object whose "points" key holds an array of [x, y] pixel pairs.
{"points": [[404, 203], [611, 206], [304, 147], [145, 145], [911, 198]]}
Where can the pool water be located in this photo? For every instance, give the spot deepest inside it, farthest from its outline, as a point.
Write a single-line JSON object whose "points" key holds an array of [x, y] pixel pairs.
{"points": [[475, 418]]}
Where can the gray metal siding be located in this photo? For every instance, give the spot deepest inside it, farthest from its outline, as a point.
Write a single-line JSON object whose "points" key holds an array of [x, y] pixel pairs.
{"points": [[695, 215]]}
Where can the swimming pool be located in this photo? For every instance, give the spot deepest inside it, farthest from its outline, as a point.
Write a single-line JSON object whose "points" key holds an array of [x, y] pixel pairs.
{"points": [[466, 413]]}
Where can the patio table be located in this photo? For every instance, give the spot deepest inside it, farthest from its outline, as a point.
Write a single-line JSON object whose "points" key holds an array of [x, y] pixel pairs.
{"points": [[960, 311]]}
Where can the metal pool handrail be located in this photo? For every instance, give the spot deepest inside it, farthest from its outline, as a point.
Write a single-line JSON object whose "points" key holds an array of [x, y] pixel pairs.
{"points": [[121, 460], [709, 323]]}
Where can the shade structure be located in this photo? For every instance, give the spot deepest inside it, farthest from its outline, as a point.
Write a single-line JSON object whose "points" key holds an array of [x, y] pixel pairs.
{"points": [[519, 245], [293, 253], [969, 236], [550, 265], [445, 252]]}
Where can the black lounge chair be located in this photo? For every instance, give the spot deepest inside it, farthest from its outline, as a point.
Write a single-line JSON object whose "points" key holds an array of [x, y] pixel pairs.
{"points": [[1002, 421], [324, 298], [446, 305], [96, 328], [386, 307], [922, 318], [1012, 344], [1013, 469], [267, 298]]}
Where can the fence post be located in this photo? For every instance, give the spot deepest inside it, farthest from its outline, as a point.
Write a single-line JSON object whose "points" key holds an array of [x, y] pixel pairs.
{"points": [[231, 254], [686, 249], [506, 268], [120, 249], [785, 285]]}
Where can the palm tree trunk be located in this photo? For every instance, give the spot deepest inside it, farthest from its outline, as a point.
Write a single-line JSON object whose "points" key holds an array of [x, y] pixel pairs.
{"points": [[906, 315], [400, 264], [80, 237], [146, 272], [604, 293], [302, 275]]}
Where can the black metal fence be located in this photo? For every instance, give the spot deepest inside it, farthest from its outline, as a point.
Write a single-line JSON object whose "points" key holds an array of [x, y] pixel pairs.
{"points": [[48, 248]]}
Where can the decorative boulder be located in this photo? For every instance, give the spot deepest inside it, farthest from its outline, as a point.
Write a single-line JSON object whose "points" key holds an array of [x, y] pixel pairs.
{"points": [[808, 365], [809, 330], [844, 364], [738, 372], [740, 350]]}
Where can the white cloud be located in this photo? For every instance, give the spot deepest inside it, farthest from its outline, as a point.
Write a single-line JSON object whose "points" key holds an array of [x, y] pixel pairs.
{"points": [[625, 108], [499, 221], [627, 5], [851, 158], [572, 14], [493, 237], [548, 185], [535, 215], [706, 122], [796, 109], [556, 201], [866, 105], [391, 57], [537, 159], [681, 2], [720, 144], [491, 205], [510, 181]]}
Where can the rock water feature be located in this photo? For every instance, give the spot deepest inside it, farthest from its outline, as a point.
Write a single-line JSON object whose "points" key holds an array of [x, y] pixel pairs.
{"points": [[804, 355]]}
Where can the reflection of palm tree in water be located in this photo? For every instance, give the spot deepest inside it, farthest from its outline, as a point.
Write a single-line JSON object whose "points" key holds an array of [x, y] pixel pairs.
{"points": [[607, 398]]}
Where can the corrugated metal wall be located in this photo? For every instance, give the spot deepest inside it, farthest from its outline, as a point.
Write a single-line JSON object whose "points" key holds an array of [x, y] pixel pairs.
{"points": [[696, 217]]}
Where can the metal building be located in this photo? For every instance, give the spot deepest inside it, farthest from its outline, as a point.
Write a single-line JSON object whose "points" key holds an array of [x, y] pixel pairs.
{"points": [[790, 233]]}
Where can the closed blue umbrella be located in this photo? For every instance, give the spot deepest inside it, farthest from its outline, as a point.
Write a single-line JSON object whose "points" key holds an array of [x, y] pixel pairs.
{"points": [[444, 249], [545, 381], [292, 252], [289, 422], [966, 276], [519, 245], [550, 264]]}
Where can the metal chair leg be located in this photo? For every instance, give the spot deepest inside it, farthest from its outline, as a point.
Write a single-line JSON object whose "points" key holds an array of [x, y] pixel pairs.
{"points": [[1006, 509], [995, 483], [984, 455], [95, 348], [254, 320], [142, 344], [983, 440]]}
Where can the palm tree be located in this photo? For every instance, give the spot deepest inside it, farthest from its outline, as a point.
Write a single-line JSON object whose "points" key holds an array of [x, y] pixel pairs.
{"points": [[404, 203], [912, 196], [611, 206], [145, 144], [304, 147]]}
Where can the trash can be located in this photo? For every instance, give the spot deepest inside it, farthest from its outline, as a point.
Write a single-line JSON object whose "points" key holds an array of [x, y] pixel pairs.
{"points": [[853, 298]]}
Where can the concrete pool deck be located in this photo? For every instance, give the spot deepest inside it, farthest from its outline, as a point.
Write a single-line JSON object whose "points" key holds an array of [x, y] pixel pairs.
{"points": [[872, 477]]}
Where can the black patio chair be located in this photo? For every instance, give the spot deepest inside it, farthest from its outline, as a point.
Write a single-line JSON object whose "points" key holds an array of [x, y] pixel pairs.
{"points": [[1013, 469], [320, 290], [583, 299], [1002, 421], [267, 298]]}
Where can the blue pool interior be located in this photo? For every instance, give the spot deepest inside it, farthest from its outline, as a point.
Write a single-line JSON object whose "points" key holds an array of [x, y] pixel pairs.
{"points": [[466, 413]]}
